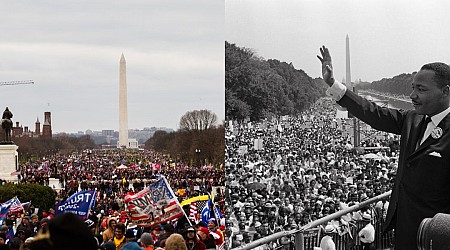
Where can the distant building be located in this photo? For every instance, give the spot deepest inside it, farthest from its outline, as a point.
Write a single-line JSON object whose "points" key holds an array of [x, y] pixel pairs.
{"points": [[132, 143], [37, 130], [17, 130], [108, 132], [47, 127]]}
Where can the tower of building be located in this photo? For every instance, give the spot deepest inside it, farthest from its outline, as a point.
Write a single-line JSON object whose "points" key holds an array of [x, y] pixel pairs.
{"points": [[123, 109], [47, 127], [37, 129]]}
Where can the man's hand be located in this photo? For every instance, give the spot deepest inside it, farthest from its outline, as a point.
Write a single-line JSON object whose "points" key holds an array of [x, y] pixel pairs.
{"points": [[327, 67]]}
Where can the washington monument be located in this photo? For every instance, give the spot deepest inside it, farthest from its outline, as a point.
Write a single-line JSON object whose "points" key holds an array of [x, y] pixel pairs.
{"points": [[348, 77], [123, 108]]}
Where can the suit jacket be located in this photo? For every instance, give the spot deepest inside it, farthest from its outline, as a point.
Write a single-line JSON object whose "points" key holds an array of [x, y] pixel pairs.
{"points": [[422, 183]]}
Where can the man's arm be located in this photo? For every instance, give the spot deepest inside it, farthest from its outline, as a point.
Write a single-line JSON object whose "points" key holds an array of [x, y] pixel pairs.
{"points": [[385, 119]]}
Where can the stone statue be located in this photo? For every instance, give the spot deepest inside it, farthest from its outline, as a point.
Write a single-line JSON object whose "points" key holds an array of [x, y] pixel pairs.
{"points": [[7, 124]]}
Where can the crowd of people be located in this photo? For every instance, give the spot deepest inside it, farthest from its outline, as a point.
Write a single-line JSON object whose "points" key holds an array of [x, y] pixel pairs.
{"points": [[69, 231], [305, 168], [115, 174], [280, 175]]}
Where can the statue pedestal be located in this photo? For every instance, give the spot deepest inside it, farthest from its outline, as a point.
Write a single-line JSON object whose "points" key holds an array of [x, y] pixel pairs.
{"points": [[8, 162]]}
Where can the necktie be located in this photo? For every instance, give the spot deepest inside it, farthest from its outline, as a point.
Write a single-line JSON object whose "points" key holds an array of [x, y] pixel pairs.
{"points": [[423, 127]]}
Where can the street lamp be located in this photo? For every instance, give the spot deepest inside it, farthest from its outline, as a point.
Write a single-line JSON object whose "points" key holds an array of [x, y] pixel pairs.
{"points": [[197, 152], [89, 153]]}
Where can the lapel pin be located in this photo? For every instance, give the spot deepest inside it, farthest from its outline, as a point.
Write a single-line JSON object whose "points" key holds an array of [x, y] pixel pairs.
{"points": [[436, 133]]}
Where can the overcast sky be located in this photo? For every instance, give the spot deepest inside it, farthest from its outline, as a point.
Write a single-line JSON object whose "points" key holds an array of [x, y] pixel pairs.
{"points": [[387, 38], [174, 51]]}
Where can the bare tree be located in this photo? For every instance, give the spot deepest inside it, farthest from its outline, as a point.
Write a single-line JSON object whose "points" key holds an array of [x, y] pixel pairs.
{"points": [[198, 120]]}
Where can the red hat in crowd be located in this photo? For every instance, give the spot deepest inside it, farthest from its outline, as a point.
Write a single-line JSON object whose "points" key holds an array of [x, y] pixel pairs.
{"points": [[204, 230]]}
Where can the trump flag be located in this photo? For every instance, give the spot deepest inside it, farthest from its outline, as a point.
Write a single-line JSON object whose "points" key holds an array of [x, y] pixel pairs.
{"points": [[79, 203], [154, 205], [207, 212]]}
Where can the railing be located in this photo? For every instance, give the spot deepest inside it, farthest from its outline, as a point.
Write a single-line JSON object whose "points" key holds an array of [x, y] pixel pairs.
{"points": [[308, 236]]}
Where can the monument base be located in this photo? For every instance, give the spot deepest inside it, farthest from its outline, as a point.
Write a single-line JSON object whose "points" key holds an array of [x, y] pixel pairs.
{"points": [[8, 162], [6, 143]]}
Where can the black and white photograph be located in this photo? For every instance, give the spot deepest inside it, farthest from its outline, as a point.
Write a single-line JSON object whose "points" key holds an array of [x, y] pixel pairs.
{"points": [[337, 124]]}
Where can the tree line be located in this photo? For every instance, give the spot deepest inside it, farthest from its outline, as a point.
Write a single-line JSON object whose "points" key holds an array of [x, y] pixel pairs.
{"points": [[398, 85], [38, 147], [198, 141], [256, 88]]}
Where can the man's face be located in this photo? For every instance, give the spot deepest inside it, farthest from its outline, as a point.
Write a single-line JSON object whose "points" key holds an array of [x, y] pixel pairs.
{"points": [[191, 234], [264, 228], [427, 97], [118, 233]]}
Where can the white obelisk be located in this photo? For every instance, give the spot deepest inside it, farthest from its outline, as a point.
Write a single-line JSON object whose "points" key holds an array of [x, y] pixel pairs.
{"points": [[348, 77], [123, 109]]}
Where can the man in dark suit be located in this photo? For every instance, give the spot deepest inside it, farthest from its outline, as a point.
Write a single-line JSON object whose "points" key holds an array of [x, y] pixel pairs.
{"points": [[422, 184]]}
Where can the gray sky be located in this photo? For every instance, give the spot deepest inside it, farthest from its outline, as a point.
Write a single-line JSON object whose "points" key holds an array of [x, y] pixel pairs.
{"points": [[387, 37], [174, 51]]}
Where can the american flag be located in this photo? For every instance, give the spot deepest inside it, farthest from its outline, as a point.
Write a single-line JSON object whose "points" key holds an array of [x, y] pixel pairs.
{"points": [[155, 204], [194, 208], [172, 211], [144, 204], [16, 205], [193, 212]]}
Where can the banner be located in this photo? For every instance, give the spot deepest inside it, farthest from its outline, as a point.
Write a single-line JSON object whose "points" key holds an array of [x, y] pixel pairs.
{"points": [[194, 199], [206, 212], [79, 203], [258, 144], [243, 150], [4, 209], [154, 205]]}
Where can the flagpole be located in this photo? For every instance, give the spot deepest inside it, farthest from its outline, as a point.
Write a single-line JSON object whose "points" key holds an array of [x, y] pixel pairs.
{"points": [[214, 206], [176, 199], [94, 199]]}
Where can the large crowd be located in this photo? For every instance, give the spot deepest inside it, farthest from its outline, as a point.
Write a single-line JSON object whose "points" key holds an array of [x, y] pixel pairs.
{"points": [[114, 174], [284, 173], [280, 174]]}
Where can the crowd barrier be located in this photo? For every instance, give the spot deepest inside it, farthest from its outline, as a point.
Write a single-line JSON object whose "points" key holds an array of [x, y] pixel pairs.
{"points": [[308, 237]]}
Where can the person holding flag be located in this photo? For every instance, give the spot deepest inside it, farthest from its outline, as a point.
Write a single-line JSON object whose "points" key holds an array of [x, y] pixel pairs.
{"points": [[216, 233], [211, 211], [212, 222]]}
